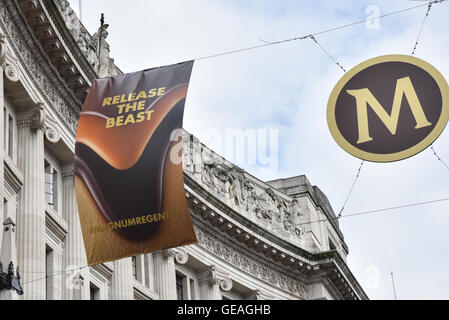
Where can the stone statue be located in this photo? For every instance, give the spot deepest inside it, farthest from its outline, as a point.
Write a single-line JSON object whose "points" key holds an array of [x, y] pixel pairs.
{"points": [[266, 205], [99, 40], [87, 47], [187, 161], [70, 18], [294, 220], [236, 187], [197, 157]]}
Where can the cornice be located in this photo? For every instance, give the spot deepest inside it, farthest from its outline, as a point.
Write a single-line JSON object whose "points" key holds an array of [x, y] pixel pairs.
{"points": [[255, 255], [66, 37], [37, 64], [248, 260]]}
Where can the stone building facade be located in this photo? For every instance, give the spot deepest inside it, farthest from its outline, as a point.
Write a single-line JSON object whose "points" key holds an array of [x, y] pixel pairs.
{"points": [[256, 239]]}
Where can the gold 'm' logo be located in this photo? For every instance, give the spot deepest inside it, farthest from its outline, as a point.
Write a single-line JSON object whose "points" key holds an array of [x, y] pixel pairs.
{"points": [[364, 97], [388, 108]]}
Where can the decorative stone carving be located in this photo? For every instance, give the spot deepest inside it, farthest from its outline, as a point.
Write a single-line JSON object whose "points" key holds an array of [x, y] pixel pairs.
{"points": [[3, 49], [51, 130], [9, 281], [12, 73], [41, 73], [218, 277], [106, 66], [38, 117], [7, 61], [180, 255], [88, 48], [230, 184], [248, 264], [70, 18], [293, 219]]}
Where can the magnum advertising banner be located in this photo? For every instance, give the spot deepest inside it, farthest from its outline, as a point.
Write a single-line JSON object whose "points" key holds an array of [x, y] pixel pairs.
{"points": [[128, 168]]}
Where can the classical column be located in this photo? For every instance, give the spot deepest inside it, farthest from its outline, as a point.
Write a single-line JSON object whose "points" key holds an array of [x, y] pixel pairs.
{"points": [[3, 50], [31, 209], [122, 280], [76, 280], [212, 281], [165, 274]]}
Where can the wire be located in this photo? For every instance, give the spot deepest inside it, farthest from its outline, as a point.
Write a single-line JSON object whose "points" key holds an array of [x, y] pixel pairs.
{"points": [[369, 212], [52, 275], [299, 224], [327, 53], [422, 26], [438, 157], [268, 43], [350, 190]]}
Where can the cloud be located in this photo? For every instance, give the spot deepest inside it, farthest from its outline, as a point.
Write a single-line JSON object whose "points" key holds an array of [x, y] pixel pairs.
{"points": [[287, 87]]}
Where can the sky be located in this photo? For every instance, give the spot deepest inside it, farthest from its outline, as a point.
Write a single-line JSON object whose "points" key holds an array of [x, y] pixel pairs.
{"points": [[286, 87]]}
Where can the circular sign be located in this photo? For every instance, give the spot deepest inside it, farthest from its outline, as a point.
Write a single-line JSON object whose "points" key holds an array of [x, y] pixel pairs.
{"points": [[388, 108]]}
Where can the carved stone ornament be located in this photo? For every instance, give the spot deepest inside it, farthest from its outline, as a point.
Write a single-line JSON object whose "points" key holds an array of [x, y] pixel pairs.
{"points": [[245, 263], [181, 256], [3, 49], [9, 280], [218, 277], [38, 117], [51, 130], [12, 73]]}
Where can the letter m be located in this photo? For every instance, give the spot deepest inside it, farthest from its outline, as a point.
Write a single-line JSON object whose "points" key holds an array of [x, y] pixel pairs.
{"points": [[364, 97]]}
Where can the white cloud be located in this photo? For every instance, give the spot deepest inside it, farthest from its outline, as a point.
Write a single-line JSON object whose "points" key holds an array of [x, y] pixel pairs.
{"points": [[287, 87]]}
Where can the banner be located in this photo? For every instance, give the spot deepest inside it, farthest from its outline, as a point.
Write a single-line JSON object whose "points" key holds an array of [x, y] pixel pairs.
{"points": [[128, 164]]}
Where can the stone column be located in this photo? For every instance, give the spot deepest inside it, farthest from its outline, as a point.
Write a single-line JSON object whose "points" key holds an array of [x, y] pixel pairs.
{"points": [[75, 280], [212, 281], [3, 50], [165, 274], [122, 280], [31, 209]]}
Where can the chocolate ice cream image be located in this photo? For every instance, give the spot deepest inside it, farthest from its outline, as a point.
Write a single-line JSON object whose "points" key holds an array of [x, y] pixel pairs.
{"points": [[123, 170]]}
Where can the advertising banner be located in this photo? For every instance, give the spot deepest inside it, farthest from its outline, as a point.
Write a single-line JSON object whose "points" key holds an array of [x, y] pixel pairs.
{"points": [[128, 164]]}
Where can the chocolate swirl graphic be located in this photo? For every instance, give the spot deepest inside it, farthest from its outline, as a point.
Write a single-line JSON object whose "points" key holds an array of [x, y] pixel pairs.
{"points": [[123, 167]]}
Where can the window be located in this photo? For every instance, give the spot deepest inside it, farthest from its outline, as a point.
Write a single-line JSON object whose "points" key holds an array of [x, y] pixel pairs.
{"points": [[179, 287], [332, 245], [192, 289], [8, 131], [134, 265], [5, 128], [5, 209], [10, 135], [94, 292], [49, 272], [51, 185]]}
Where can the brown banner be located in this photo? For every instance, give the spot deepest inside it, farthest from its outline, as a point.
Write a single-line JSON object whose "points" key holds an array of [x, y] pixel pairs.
{"points": [[128, 169]]}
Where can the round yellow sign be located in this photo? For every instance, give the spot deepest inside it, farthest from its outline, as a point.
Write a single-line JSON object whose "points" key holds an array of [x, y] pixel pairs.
{"points": [[388, 108]]}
